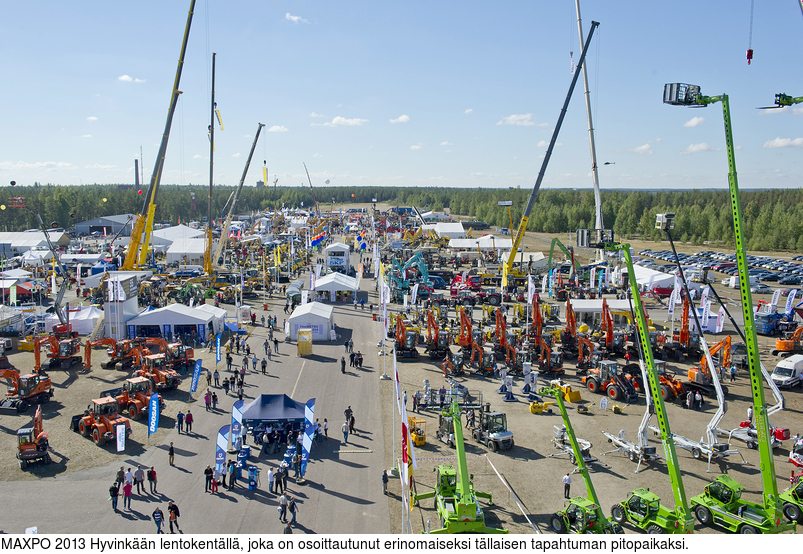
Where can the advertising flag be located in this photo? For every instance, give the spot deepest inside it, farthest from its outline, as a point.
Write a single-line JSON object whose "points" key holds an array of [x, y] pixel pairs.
{"points": [[196, 375], [236, 424], [120, 434], [720, 319], [543, 284], [218, 350], [790, 301], [153, 414], [221, 446], [309, 432], [530, 290], [775, 297]]}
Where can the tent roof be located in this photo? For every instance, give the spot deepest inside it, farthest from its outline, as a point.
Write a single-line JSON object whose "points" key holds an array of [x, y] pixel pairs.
{"points": [[171, 313], [536, 256], [216, 312], [314, 308], [7, 283], [337, 246], [595, 306], [336, 281], [273, 407], [189, 245], [661, 279], [488, 242], [16, 274]]}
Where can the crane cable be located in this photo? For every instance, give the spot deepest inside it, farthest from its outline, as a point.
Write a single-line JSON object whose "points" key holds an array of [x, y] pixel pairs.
{"points": [[750, 37]]}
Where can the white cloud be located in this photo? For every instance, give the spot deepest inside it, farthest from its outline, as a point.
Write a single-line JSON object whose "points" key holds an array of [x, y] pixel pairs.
{"points": [[197, 157], [696, 148], [50, 166], [278, 129], [316, 155], [237, 155], [643, 149], [446, 143], [98, 166], [783, 143], [313, 114], [694, 122], [544, 144], [130, 79], [337, 121], [416, 146], [295, 18], [401, 119], [91, 118], [468, 111], [522, 119], [86, 136]]}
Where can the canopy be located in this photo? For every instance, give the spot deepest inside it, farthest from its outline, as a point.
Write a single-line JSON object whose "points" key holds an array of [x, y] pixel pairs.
{"points": [[268, 408], [175, 318], [660, 279], [336, 282], [16, 274], [82, 321], [315, 316]]}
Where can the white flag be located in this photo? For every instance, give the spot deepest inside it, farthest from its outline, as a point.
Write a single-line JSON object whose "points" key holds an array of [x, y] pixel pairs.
{"points": [[543, 285], [720, 319], [706, 314], [530, 290], [775, 297], [120, 432], [591, 280], [414, 294], [703, 300], [790, 301]]}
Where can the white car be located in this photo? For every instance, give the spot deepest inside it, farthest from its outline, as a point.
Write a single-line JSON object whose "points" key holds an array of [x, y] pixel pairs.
{"points": [[760, 288]]}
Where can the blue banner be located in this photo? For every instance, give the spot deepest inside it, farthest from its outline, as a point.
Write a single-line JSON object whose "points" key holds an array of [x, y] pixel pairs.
{"points": [[196, 375], [309, 432], [217, 349], [236, 424], [221, 447], [153, 414], [551, 282]]}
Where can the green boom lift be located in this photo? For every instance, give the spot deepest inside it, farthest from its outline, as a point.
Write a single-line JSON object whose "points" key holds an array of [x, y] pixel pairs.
{"points": [[581, 515], [455, 498], [721, 503]]}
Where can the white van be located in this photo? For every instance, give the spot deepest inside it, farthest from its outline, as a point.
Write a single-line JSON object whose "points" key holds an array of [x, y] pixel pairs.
{"points": [[788, 372], [733, 282]]}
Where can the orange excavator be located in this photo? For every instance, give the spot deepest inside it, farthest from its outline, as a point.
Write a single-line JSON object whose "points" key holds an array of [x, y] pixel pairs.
{"points": [[452, 364], [123, 355], [483, 358], [585, 351], [61, 351], [568, 338], [611, 341], [156, 369], [100, 420], [406, 341], [789, 344], [684, 342], [438, 340], [134, 397], [699, 377], [500, 338], [179, 357], [466, 337], [33, 443], [538, 321], [25, 390], [550, 364]]}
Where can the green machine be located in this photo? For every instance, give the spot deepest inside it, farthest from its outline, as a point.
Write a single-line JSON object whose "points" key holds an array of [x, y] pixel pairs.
{"points": [[721, 504], [455, 498], [581, 515]]}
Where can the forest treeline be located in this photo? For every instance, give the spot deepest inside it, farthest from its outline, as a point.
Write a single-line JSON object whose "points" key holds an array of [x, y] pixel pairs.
{"points": [[771, 219]]}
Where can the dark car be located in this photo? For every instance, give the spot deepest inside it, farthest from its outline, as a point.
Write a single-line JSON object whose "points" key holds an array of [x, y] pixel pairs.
{"points": [[790, 280], [771, 277]]}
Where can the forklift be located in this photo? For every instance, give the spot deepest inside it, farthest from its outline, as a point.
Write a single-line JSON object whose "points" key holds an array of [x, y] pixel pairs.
{"points": [[491, 430]]}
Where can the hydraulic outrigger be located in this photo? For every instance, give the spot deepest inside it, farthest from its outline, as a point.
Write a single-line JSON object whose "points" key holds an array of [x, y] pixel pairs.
{"points": [[455, 498], [721, 503], [582, 515]]}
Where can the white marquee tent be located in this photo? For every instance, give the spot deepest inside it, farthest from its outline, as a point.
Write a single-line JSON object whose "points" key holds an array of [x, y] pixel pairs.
{"points": [[315, 316], [83, 321], [175, 318], [337, 282]]}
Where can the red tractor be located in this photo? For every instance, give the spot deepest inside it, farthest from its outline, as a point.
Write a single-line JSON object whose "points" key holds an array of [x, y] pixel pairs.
{"points": [[101, 419]]}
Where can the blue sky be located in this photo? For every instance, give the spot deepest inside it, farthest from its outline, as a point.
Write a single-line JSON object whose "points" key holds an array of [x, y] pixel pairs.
{"points": [[398, 93]]}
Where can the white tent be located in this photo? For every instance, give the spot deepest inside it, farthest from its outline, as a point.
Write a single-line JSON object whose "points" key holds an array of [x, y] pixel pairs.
{"points": [[315, 316], [450, 230], [175, 318], [187, 251], [659, 278], [336, 282], [20, 274], [533, 260], [83, 321], [487, 242], [166, 237], [219, 315]]}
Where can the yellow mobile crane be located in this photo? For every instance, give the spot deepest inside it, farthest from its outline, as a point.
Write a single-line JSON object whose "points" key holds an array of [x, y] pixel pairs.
{"points": [[143, 226]]}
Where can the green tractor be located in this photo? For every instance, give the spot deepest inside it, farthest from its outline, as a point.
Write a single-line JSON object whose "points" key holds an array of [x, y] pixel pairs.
{"points": [[721, 505], [643, 509], [792, 499], [455, 498]]}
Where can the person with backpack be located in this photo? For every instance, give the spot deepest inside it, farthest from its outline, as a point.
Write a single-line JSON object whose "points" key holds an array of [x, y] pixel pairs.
{"points": [[172, 509], [114, 492]]}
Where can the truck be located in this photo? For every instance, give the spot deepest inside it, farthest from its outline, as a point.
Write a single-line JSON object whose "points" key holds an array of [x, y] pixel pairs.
{"points": [[721, 505], [789, 372]]}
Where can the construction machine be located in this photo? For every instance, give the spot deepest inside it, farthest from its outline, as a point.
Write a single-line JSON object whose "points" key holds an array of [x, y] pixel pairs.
{"points": [[179, 357], [611, 342], [585, 354], [438, 340], [406, 341], [418, 430], [484, 359], [452, 364], [699, 378], [491, 430], [684, 343], [101, 419], [456, 500], [581, 515], [607, 378], [61, 352], [789, 344], [156, 368], [122, 354], [32, 443], [134, 397], [550, 364], [25, 390], [568, 337]]}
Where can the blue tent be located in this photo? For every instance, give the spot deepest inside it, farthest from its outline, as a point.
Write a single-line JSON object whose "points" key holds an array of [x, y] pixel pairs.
{"points": [[273, 408]]}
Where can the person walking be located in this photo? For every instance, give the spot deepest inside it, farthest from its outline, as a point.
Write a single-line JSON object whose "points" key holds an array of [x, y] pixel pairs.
{"points": [[264, 366], [293, 508], [346, 344], [214, 401], [266, 346], [215, 478], [750, 414], [171, 452], [127, 490], [385, 480], [120, 478], [351, 425], [271, 480], [283, 508], [325, 428], [216, 375], [345, 429], [158, 518], [114, 492], [698, 401], [297, 465], [277, 477], [172, 509], [226, 386], [208, 377], [733, 374], [207, 400], [139, 479], [276, 345], [351, 345], [689, 400], [152, 480], [232, 475], [180, 421], [229, 361], [342, 364], [208, 473], [567, 485], [188, 419], [254, 362]]}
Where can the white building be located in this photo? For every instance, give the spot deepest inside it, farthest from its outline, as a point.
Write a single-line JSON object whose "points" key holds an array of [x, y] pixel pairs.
{"points": [[337, 257], [314, 316]]}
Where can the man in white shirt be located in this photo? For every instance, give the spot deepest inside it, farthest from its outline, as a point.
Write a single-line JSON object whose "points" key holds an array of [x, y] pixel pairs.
{"points": [[567, 484], [270, 480], [129, 477]]}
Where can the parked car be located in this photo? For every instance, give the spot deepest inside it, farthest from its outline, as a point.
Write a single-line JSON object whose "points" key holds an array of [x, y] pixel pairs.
{"points": [[790, 280], [771, 277], [760, 288]]}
